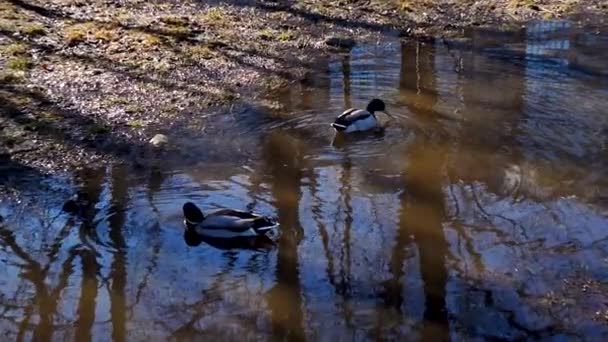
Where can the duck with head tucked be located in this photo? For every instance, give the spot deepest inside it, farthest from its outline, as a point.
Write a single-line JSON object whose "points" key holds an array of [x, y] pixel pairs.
{"points": [[360, 120], [227, 223]]}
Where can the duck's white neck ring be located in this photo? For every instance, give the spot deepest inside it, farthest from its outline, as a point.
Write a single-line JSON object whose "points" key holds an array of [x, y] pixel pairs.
{"points": [[189, 224]]}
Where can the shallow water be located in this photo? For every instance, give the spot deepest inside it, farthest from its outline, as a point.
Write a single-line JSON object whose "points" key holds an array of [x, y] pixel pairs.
{"points": [[481, 213]]}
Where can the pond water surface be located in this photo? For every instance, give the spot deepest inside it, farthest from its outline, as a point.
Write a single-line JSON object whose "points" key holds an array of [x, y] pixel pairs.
{"points": [[482, 213]]}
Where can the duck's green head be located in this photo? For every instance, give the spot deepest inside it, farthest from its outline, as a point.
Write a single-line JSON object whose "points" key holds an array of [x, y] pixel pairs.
{"points": [[376, 105]]}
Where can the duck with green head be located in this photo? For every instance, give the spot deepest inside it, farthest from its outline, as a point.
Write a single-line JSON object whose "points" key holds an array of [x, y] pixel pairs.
{"points": [[227, 223], [360, 120]]}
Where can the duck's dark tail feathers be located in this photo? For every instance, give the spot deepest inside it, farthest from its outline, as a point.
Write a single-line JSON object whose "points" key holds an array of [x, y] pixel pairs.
{"points": [[339, 127], [192, 213]]}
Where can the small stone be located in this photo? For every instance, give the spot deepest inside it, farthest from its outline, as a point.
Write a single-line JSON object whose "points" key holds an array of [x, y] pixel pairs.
{"points": [[341, 42], [159, 140]]}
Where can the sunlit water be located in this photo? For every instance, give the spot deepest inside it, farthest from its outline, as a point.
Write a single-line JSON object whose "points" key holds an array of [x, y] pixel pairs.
{"points": [[482, 213]]}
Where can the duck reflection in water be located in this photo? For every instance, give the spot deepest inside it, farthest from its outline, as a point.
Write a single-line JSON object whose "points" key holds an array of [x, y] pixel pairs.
{"points": [[260, 243], [343, 140]]}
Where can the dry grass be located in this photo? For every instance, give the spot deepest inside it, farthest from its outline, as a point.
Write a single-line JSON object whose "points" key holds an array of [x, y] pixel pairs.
{"points": [[8, 10], [276, 35], [76, 34], [150, 40], [200, 52], [80, 33], [123, 18], [214, 16], [476, 11], [13, 49], [17, 57], [9, 76], [105, 34], [285, 36], [33, 30], [19, 63], [267, 34], [136, 124], [174, 20], [412, 5]]}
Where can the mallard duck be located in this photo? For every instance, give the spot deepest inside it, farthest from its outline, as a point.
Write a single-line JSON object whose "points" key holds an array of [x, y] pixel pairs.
{"points": [[227, 223], [359, 120]]}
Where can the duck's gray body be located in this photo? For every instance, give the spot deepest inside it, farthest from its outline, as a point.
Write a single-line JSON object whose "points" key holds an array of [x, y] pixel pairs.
{"points": [[227, 223], [355, 120]]}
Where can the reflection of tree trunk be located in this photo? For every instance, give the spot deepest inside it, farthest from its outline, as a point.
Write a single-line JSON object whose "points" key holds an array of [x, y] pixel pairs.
{"points": [[88, 296], [422, 216], [317, 93], [31, 271], [417, 83], [393, 295], [254, 191], [283, 164], [91, 186], [343, 287], [487, 144], [49, 300], [118, 268], [422, 202], [346, 81], [46, 299], [43, 330], [155, 182], [92, 181], [316, 212]]}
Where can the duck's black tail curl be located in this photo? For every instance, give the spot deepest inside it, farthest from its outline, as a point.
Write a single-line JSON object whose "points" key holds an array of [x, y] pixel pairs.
{"points": [[263, 223], [192, 213]]}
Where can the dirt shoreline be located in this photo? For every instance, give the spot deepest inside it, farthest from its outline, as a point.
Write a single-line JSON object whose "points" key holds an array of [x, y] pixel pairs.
{"points": [[90, 82]]}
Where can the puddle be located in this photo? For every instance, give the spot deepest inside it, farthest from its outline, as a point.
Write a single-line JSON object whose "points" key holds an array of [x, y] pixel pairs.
{"points": [[481, 214]]}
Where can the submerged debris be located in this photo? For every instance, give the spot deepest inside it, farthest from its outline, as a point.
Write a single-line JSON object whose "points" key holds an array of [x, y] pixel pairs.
{"points": [[341, 42], [159, 140], [77, 204]]}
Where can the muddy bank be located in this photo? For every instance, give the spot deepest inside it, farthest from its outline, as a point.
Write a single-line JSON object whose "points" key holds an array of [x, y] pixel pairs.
{"points": [[92, 82]]}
